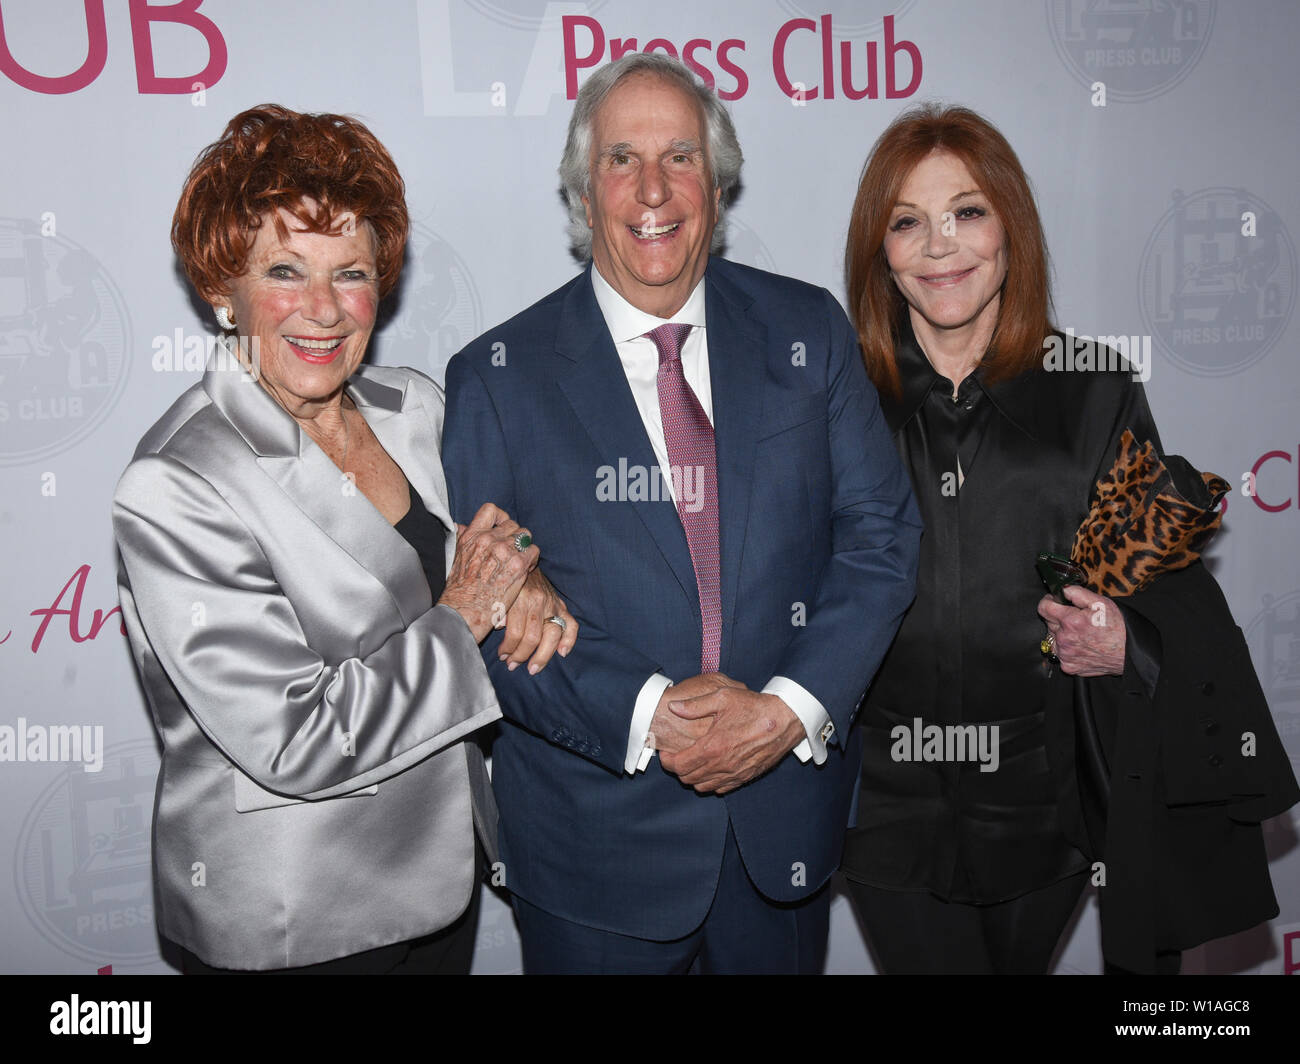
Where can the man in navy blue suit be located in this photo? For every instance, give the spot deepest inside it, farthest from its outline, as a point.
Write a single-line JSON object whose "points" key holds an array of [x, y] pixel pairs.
{"points": [[722, 508]]}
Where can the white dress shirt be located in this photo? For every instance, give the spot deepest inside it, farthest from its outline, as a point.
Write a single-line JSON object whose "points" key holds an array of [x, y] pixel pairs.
{"points": [[640, 358]]}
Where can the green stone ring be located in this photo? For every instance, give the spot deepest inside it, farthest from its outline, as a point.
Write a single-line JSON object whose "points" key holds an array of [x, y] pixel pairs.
{"points": [[523, 541]]}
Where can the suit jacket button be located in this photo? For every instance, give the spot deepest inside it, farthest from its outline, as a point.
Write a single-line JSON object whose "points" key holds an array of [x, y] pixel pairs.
{"points": [[1207, 687], [1211, 727], [1215, 761]]}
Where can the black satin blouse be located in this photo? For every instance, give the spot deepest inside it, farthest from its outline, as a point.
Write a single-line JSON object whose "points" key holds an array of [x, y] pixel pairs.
{"points": [[427, 535], [1002, 473]]}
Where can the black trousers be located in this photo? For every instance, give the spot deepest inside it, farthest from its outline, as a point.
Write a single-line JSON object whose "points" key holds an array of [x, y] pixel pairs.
{"points": [[915, 933], [446, 952]]}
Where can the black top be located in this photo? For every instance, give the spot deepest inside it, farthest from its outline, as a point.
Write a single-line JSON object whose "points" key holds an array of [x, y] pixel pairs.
{"points": [[1030, 451], [427, 535]]}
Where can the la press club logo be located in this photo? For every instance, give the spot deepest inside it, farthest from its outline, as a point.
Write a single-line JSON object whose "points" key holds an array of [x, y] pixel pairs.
{"points": [[1138, 48], [439, 310], [1217, 281], [836, 49], [64, 331], [83, 864]]}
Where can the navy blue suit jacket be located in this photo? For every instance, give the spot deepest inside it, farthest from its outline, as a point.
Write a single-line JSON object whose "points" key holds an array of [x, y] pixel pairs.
{"points": [[818, 542]]}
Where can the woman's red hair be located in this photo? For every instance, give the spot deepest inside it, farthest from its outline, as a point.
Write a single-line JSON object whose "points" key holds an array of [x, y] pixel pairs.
{"points": [[875, 304], [270, 158]]}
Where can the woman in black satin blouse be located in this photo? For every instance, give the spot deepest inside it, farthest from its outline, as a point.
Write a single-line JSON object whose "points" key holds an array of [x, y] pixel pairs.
{"points": [[969, 850], [960, 860]]}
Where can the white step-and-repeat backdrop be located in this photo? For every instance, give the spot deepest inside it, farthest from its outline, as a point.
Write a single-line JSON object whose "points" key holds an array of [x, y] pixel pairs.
{"points": [[1160, 136]]}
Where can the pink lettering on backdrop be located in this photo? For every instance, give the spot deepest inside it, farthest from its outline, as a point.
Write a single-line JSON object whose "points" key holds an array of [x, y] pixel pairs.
{"points": [[1271, 507], [96, 55], [148, 81], [186, 12], [892, 48], [574, 62], [77, 584], [778, 60], [824, 30], [594, 54], [588, 45]]}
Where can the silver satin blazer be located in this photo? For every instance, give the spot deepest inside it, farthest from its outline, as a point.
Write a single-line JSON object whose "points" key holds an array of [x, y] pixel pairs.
{"points": [[316, 796]]}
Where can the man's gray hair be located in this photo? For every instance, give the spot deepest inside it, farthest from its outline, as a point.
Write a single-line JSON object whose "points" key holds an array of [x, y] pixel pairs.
{"points": [[722, 147]]}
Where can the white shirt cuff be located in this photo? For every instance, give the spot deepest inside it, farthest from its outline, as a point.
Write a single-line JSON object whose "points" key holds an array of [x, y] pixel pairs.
{"points": [[811, 713], [643, 713]]}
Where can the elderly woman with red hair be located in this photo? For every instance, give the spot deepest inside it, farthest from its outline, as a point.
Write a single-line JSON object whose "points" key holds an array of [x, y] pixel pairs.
{"points": [[304, 613], [973, 843]]}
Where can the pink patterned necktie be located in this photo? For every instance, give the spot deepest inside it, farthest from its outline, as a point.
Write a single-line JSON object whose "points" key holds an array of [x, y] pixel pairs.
{"points": [[689, 437]]}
